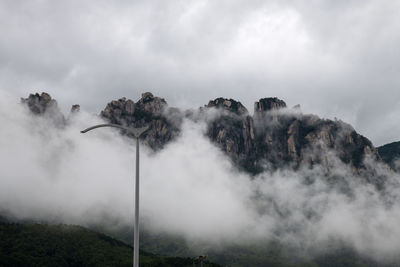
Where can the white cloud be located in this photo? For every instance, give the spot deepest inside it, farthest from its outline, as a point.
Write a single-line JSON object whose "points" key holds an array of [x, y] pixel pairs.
{"points": [[190, 188], [337, 59]]}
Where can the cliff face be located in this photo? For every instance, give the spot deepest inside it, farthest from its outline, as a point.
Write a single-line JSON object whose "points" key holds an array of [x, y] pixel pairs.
{"points": [[149, 110], [390, 154], [274, 137]]}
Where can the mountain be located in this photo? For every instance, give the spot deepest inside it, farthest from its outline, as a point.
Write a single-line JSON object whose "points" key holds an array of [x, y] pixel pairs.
{"points": [[390, 153], [279, 137], [68, 245], [272, 254], [33, 244], [274, 137]]}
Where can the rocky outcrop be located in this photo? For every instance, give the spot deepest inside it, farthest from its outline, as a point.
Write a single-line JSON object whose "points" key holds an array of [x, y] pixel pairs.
{"points": [[42, 104], [75, 108], [227, 105], [233, 131], [38, 104], [268, 104], [274, 137], [390, 154], [149, 110]]}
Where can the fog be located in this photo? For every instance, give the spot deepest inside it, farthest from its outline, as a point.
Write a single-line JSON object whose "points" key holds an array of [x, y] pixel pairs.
{"points": [[335, 58], [190, 188]]}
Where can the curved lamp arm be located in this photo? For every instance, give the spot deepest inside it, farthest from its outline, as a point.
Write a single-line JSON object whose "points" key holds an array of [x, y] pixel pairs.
{"points": [[137, 132]]}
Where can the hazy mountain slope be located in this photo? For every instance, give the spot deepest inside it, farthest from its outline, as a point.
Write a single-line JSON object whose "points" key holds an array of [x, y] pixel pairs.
{"points": [[66, 245], [306, 176], [271, 254], [275, 137], [390, 153]]}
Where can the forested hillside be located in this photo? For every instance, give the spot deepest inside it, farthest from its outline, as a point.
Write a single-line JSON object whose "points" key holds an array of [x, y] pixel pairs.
{"points": [[67, 245]]}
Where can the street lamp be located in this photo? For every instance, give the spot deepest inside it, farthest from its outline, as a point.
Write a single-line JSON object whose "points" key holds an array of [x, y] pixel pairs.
{"points": [[137, 132]]}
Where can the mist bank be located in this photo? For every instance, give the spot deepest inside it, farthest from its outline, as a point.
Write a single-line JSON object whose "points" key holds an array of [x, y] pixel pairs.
{"points": [[190, 187]]}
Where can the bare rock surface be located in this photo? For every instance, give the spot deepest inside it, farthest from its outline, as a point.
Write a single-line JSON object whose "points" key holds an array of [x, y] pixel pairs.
{"points": [[42, 104], [275, 137], [148, 110]]}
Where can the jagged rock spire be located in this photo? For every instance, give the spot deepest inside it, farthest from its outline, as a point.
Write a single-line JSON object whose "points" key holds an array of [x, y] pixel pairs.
{"points": [[44, 105]]}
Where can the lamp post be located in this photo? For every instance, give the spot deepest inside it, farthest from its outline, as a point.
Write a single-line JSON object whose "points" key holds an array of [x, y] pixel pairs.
{"points": [[137, 132]]}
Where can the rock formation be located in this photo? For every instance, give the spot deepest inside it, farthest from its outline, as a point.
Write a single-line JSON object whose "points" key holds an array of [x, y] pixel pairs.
{"points": [[229, 105], [233, 131], [274, 137], [44, 105], [267, 104], [390, 154], [149, 110], [75, 108]]}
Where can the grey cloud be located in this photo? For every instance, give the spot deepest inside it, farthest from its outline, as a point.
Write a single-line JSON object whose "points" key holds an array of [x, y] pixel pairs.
{"points": [[190, 188], [337, 59]]}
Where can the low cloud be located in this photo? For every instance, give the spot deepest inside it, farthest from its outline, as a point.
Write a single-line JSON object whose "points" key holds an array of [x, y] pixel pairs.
{"points": [[190, 188]]}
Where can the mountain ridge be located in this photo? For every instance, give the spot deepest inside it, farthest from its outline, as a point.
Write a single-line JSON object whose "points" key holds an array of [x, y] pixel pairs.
{"points": [[274, 137], [390, 154]]}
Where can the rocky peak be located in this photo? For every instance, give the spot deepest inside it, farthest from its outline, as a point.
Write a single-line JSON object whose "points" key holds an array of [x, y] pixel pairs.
{"points": [[151, 104], [75, 108], [146, 97], [228, 104], [251, 143], [118, 110], [148, 110], [43, 104], [254, 143], [38, 104], [267, 104]]}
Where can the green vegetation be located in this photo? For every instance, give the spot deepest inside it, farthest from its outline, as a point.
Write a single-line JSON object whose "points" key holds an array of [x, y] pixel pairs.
{"points": [[65, 245], [272, 254]]}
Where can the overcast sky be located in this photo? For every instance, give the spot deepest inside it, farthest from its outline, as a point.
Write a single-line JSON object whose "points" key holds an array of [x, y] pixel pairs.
{"points": [[336, 58]]}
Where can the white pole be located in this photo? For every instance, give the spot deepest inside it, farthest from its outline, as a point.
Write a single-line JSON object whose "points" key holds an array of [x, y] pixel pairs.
{"points": [[137, 132], [136, 224]]}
